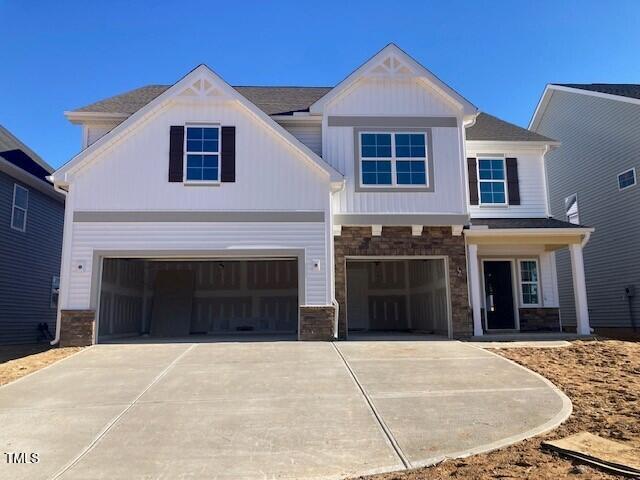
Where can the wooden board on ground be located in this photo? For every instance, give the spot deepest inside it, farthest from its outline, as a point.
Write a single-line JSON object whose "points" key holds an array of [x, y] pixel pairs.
{"points": [[599, 451], [172, 303]]}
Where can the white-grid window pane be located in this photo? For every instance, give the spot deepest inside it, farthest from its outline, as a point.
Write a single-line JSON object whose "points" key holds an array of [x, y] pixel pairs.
{"points": [[529, 283], [202, 154], [19, 208], [492, 181]]}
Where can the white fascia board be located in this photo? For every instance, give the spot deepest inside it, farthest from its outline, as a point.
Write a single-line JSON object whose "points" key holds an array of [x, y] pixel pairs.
{"points": [[79, 118], [541, 146], [132, 121], [301, 120], [467, 107], [538, 232]]}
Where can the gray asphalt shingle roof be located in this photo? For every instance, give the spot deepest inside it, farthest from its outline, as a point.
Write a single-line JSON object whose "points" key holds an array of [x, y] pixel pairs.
{"points": [[286, 100], [488, 127], [630, 90], [493, 223], [271, 100]]}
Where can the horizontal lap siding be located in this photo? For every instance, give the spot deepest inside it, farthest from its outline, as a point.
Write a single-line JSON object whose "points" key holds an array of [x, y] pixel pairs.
{"points": [[600, 139], [310, 135], [28, 261], [88, 237]]}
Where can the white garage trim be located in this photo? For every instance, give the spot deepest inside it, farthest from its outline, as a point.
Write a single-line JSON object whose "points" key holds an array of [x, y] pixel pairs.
{"points": [[374, 258], [246, 254]]}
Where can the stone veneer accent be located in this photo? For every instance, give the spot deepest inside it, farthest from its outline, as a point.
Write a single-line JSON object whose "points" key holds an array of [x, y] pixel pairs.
{"points": [[395, 241], [539, 319], [316, 322], [77, 327]]}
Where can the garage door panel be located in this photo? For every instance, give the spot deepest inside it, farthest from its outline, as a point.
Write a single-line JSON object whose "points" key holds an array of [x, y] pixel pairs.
{"points": [[397, 294], [224, 296]]}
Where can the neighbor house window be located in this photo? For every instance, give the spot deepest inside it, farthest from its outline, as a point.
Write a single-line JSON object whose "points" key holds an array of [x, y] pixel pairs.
{"points": [[393, 159], [19, 209], [571, 209], [627, 179], [202, 154], [529, 283], [55, 291], [492, 181]]}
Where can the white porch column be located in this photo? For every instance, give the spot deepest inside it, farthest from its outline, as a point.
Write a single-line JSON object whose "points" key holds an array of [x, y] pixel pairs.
{"points": [[474, 286], [579, 289]]}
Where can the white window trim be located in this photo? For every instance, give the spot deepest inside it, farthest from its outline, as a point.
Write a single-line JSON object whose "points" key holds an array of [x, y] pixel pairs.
{"points": [[506, 191], [15, 207], [393, 159], [186, 152], [635, 179], [521, 282], [577, 214], [54, 291]]}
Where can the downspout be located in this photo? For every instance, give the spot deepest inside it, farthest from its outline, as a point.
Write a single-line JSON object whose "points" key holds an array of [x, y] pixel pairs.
{"points": [[65, 240], [334, 302]]}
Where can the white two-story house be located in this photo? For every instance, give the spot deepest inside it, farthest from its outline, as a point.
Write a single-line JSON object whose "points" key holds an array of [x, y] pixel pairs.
{"points": [[385, 203]]}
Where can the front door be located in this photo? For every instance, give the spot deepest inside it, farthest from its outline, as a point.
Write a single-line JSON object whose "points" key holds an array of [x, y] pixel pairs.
{"points": [[498, 288]]}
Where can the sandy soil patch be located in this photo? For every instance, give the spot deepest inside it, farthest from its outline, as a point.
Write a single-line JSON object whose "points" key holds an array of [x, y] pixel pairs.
{"points": [[19, 360], [601, 377]]}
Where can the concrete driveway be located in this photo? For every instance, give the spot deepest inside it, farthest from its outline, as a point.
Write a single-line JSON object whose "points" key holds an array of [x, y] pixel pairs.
{"points": [[268, 409]]}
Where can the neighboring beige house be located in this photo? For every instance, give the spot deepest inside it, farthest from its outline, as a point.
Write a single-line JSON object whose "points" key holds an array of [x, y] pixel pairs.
{"points": [[385, 203]]}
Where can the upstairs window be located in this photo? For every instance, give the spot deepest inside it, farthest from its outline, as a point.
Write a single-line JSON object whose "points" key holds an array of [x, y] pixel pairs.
{"points": [[492, 181], [202, 154], [19, 208], [627, 179], [393, 159], [571, 209]]}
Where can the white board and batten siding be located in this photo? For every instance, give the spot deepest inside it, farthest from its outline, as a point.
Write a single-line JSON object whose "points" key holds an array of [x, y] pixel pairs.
{"points": [[131, 175], [531, 179], [375, 97]]}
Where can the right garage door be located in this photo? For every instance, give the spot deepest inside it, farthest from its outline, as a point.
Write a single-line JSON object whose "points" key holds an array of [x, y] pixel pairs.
{"points": [[397, 295]]}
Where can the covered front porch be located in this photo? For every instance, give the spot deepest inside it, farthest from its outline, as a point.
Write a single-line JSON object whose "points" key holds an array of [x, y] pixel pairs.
{"points": [[512, 275]]}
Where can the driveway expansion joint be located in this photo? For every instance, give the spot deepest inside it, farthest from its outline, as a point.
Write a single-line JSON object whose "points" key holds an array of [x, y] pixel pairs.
{"points": [[115, 420], [383, 426]]}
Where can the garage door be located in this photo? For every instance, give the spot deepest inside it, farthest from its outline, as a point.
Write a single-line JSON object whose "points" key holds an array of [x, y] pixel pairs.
{"points": [[397, 295], [174, 298]]}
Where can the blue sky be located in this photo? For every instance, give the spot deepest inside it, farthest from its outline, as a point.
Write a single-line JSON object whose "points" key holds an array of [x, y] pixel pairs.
{"points": [[59, 55]]}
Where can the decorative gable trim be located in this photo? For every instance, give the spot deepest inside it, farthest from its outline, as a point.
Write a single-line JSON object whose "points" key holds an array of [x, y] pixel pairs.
{"points": [[392, 62], [200, 83]]}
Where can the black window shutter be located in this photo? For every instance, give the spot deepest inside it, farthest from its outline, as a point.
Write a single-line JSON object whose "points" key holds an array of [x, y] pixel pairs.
{"points": [[228, 155], [176, 154], [513, 184], [473, 181]]}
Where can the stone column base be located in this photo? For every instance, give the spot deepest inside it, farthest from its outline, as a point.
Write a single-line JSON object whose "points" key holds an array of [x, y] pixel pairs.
{"points": [[539, 319], [317, 322], [77, 328]]}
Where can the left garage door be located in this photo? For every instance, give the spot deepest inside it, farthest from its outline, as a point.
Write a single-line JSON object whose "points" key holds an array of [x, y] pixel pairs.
{"points": [[184, 297]]}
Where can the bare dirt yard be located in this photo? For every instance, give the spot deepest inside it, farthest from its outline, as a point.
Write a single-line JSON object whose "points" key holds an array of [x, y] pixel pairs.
{"points": [[602, 379], [19, 360]]}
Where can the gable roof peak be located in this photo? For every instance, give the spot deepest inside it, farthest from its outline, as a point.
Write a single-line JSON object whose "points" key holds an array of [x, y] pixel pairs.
{"points": [[392, 61]]}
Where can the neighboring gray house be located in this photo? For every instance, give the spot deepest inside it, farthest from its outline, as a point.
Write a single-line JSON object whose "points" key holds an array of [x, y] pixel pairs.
{"points": [[592, 180], [31, 224]]}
